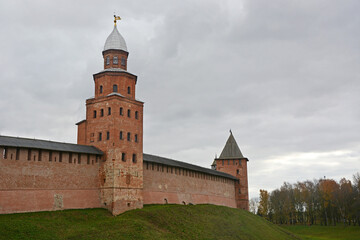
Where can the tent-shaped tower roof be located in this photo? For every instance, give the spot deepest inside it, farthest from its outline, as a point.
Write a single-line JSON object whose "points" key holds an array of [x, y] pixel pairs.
{"points": [[231, 149]]}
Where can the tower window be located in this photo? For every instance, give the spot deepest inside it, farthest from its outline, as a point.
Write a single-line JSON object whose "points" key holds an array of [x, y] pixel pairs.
{"points": [[107, 135], [115, 60], [237, 171], [5, 153], [109, 110], [136, 115], [107, 60], [129, 136], [136, 138], [17, 153], [129, 90], [123, 155], [101, 89], [100, 136], [121, 135], [129, 113], [115, 88], [94, 113], [123, 61], [101, 112], [134, 158], [121, 111]]}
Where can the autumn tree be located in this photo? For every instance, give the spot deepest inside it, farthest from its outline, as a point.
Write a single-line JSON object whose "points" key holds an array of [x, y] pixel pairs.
{"points": [[263, 209]]}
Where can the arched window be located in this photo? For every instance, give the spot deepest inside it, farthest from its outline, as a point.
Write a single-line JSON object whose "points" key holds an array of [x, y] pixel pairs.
{"points": [[115, 88], [129, 113], [109, 110], [123, 157], [129, 136], [101, 89], [237, 171], [94, 113], [123, 61], [129, 90], [136, 138], [121, 111], [134, 158], [107, 60], [115, 60], [136, 115], [166, 201]]}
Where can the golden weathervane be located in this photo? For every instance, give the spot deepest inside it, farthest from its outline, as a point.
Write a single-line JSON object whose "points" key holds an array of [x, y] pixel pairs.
{"points": [[116, 18]]}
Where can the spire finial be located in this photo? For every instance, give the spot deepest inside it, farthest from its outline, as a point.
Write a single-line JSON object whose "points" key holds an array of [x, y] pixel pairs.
{"points": [[116, 18], [230, 131]]}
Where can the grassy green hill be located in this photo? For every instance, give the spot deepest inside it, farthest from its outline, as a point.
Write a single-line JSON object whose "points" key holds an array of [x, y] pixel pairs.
{"points": [[151, 222]]}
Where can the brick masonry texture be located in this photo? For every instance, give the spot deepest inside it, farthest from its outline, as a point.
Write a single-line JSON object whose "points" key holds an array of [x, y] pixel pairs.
{"points": [[40, 185]]}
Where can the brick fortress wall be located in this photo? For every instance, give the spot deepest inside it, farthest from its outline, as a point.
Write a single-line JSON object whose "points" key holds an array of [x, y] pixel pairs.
{"points": [[30, 182], [164, 184]]}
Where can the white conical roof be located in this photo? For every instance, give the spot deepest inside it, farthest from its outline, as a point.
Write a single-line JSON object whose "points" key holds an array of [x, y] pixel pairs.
{"points": [[115, 41]]}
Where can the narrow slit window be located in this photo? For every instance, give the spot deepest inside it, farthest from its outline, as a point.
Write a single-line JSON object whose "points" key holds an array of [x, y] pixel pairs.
{"points": [[134, 158], [129, 90], [129, 136], [109, 110], [79, 158], [121, 111], [101, 112], [100, 136], [129, 113], [136, 138], [115, 88], [123, 155], [121, 135], [94, 113], [17, 154], [5, 153], [107, 135], [50, 156], [136, 115], [101, 89]]}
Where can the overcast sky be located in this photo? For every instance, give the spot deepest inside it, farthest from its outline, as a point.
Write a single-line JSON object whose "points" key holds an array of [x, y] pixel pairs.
{"points": [[284, 76]]}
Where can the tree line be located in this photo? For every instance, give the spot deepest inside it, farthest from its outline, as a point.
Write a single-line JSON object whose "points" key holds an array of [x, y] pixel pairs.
{"points": [[322, 201]]}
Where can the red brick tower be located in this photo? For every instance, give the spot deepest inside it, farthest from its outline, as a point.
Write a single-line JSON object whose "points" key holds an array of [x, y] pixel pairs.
{"points": [[232, 161], [114, 124]]}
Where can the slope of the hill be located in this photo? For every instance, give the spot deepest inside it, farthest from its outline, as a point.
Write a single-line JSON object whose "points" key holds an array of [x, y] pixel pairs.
{"points": [[151, 222]]}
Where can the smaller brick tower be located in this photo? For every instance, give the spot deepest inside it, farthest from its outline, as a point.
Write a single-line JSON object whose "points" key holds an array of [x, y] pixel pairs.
{"points": [[232, 161], [114, 124]]}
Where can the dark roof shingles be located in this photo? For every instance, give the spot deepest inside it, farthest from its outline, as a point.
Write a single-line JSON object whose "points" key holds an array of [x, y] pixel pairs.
{"points": [[174, 163], [47, 145]]}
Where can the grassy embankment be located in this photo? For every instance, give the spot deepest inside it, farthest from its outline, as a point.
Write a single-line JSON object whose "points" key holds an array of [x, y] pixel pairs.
{"points": [[317, 232], [152, 222]]}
